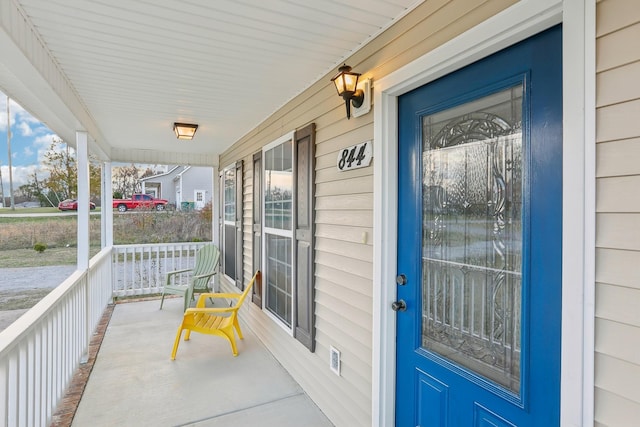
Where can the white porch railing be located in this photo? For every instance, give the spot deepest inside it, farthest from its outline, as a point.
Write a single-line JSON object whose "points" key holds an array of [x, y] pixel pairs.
{"points": [[141, 269], [40, 351]]}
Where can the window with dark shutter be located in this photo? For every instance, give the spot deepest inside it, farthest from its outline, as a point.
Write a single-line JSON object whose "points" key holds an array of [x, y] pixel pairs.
{"points": [[283, 229]]}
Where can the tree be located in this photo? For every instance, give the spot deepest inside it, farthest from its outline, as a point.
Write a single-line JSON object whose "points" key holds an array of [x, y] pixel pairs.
{"points": [[62, 183], [63, 172], [126, 180]]}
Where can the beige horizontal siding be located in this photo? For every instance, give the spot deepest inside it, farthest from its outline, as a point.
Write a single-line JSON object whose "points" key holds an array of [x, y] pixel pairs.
{"points": [[620, 231], [618, 158], [619, 304], [611, 20], [613, 87], [618, 376], [617, 343], [618, 121], [345, 233], [615, 410], [344, 212], [615, 338], [618, 267], [346, 279], [616, 194], [618, 48]]}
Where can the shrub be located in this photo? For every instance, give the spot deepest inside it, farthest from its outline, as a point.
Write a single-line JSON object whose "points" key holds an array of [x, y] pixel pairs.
{"points": [[206, 213], [39, 247]]}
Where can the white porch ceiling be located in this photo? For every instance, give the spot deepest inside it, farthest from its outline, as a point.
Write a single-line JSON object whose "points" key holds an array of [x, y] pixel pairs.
{"points": [[125, 70]]}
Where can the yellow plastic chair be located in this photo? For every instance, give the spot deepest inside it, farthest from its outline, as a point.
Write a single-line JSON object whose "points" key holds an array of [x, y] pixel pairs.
{"points": [[214, 321], [205, 268]]}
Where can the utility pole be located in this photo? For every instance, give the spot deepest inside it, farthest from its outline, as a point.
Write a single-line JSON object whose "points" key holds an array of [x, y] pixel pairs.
{"points": [[1, 188], [1, 183], [13, 205]]}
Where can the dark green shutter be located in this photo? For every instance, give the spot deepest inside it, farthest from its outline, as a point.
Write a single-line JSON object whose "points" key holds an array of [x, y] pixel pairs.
{"points": [[256, 296], [304, 161], [239, 188]]}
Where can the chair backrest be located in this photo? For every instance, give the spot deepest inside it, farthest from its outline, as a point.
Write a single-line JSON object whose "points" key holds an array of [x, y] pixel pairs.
{"points": [[206, 263], [247, 289]]}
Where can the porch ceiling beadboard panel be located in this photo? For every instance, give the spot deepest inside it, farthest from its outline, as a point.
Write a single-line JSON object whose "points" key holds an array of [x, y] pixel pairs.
{"points": [[344, 212], [127, 70], [617, 400]]}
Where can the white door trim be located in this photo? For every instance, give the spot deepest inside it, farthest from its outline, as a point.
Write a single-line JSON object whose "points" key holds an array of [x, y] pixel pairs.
{"points": [[516, 23]]}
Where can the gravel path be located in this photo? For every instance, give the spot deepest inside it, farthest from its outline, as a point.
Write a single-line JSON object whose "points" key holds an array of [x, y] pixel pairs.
{"points": [[24, 287]]}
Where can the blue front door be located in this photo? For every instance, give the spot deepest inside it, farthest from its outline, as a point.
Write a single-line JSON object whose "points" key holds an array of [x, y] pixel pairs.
{"points": [[480, 242]]}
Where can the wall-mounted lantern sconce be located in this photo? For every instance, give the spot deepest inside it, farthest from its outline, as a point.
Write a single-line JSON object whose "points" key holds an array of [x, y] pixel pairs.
{"points": [[347, 86], [185, 130]]}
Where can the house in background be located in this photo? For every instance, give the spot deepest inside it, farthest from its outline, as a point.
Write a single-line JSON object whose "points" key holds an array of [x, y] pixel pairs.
{"points": [[185, 187]]}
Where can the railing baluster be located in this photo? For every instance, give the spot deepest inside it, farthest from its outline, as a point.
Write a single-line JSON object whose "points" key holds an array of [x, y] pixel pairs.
{"points": [[40, 351]]}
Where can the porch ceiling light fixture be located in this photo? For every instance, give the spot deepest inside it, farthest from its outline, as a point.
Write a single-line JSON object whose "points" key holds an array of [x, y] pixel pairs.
{"points": [[185, 130], [347, 86]]}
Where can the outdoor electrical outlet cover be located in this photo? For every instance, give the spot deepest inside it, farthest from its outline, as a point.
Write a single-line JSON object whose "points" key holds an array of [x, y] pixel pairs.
{"points": [[334, 360]]}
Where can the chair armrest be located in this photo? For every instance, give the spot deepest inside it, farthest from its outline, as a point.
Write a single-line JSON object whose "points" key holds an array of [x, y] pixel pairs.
{"points": [[210, 310], [202, 298], [178, 271], [170, 274], [202, 276]]}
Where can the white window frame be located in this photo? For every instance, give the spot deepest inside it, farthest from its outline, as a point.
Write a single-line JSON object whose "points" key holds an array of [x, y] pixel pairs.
{"points": [[516, 23], [278, 232], [224, 217]]}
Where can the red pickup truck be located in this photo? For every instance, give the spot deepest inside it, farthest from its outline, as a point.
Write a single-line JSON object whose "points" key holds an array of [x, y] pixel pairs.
{"points": [[140, 201]]}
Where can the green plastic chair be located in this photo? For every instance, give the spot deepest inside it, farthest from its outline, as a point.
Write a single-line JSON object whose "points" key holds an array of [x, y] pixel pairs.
{"points": [[205, 268]]}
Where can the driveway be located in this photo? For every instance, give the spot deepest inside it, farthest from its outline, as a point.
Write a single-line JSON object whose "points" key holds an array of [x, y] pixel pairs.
{"points": [[22, 288]]}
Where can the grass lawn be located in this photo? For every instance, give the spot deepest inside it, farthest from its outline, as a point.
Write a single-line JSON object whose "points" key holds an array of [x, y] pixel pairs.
{"points": [[19, 211], [19, 234], [21, 258]]}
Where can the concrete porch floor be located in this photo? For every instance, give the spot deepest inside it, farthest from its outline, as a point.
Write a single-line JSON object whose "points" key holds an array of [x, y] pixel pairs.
{"points": [[134, 382]]}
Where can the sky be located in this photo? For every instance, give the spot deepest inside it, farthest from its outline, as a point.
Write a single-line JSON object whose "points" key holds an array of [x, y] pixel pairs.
{"points": [[30, 139]]}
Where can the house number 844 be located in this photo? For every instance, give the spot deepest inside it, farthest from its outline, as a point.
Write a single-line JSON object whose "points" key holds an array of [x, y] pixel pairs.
{"points": [[354, 157]]}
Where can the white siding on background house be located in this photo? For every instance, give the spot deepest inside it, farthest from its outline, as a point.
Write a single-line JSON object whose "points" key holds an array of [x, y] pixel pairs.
{"points": [[617, 361], [343, 213]]}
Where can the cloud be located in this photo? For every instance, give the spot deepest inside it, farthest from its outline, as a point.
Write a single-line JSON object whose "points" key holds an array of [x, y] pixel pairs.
{"points": [[42, 144], [21, 175], [27, 151], [19, 117], [25, 129]]}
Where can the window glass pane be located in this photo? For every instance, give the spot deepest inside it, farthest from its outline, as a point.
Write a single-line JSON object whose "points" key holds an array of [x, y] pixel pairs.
{"points": [[472, 235], [278, 187], [278, 277], [230, 195]]}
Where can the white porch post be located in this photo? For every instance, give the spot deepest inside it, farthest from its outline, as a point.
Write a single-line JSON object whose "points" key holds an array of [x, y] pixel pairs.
{"points": [[215, 207], [83, 200], [107, 203]]}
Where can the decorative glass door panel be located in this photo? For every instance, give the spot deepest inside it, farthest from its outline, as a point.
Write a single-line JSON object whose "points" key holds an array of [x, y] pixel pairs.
{"points": [[472, 235]]}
